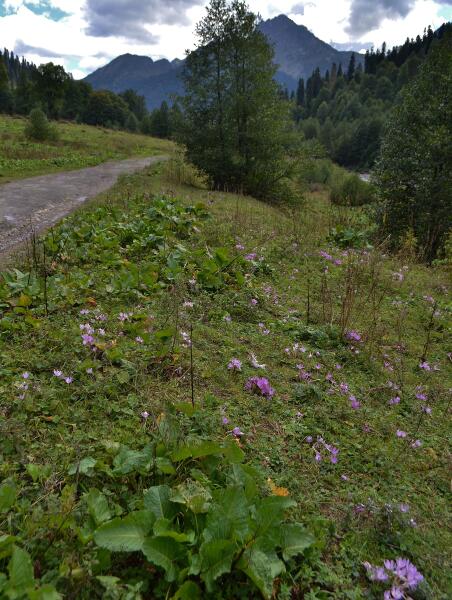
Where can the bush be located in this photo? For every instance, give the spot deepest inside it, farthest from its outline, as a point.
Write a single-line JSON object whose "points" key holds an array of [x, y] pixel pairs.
{"points": [[351, 191], [38, 127]]}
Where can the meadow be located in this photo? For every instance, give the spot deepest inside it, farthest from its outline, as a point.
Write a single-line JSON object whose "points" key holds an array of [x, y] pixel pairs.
{"points": [[78, 146], [205, 396]]}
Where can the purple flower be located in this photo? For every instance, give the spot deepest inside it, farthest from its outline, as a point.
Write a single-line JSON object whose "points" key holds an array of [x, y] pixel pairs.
{"points": [[355, 404], [236, 432], [240, 247], [318, 456], [343, 388], [145, 415], [416, 444], [404, 508], [401, 434], [250, 257], [25, 375], [260, 385], [227, 318], [325, 255], [68, 380], [309, 439], [139, 340], [84, 311], [254, 302], [88, 340], [57, 373], [353, 336], [394, 401], [425, 366], [225, 421], [427, 410], [89, 371], [235, 365]]}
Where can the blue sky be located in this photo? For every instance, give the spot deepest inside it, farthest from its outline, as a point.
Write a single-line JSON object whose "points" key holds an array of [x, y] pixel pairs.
{"points": [[86, 34]]}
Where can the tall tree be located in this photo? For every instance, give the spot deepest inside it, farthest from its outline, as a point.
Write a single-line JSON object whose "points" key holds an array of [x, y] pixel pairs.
{"points": [[351, 67], [235, 121], [300, 93], [51, 82], [415, 169], [6, 99]]}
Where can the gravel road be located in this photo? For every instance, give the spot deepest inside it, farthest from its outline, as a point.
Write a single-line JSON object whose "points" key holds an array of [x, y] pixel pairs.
{"points": [[40, 202]]}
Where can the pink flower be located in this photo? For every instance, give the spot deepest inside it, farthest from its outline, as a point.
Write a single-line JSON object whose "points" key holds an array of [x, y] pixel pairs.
{"points": [[235, 365], [260, 385]]}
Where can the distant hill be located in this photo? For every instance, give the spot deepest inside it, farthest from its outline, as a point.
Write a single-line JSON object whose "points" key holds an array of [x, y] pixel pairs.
{"points": [[297, 52]]}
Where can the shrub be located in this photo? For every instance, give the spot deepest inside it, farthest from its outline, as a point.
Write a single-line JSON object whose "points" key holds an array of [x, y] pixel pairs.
{"points": [[38, 127], [351, 191]]}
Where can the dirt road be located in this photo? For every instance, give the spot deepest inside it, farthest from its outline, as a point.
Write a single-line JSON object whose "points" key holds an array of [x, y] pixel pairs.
{"points": [[40, 202]]}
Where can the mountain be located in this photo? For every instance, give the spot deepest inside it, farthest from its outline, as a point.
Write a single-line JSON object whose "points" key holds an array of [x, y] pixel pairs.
{"points": [[297, 52]]}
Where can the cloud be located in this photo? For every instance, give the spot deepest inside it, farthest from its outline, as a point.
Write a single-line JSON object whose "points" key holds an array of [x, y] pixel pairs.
{"points": [[367, 15], [130, 18], [353, 46]]}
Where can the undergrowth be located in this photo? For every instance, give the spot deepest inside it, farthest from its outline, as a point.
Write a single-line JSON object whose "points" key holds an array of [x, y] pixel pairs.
{"points": [[203, 396]]}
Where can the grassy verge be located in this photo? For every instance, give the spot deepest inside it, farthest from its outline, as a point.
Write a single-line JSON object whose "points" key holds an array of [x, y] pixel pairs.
{"points": [[356, 431], [78, 146]]}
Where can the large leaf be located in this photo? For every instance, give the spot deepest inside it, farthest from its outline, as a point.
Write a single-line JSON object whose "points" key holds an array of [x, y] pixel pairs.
{"points": [[229, 517], [20, 569], [216, 559], [98, 506], [164, 553], [164, 528], [262, 568], [46, 592], [130, 461], [157, 500], [295, 539], [188, 591], [194, 495], [125, 535], [269, 516], [7, 497], [198, 451]]}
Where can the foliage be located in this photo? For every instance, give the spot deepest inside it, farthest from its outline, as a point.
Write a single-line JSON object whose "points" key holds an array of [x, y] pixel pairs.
{"points": [[235, 128], [152, 291], [347, 113], [415, 170], [38, 127], [351, 191]]}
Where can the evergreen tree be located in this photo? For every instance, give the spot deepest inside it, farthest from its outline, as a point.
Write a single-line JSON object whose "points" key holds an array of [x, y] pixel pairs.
{"points": [[6, 98], [351, 67], [132, 123], [235, 123], [300, 93], [161, 122]]}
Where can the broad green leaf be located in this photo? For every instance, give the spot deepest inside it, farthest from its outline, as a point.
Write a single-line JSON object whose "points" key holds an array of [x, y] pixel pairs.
{"points": [[20, 569], [247, 477], [157, 500], [229, 517], [7, 497], [269, 516], [164, 528], [128, 461], [164, 465], [188, 591], [108, 581], [98, 506], [125, 535], [294, 540], [192, 451], [84, 467], [164, 553], [46, 592], [194, 495], [262, 568], [216, 559], [233, 453]]}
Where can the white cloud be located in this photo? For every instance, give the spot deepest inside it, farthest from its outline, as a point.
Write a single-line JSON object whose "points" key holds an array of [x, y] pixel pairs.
{"points": [[68, 43]]}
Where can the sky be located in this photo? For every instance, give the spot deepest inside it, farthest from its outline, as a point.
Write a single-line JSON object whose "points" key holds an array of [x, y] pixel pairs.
{"points": [[84, 35]]}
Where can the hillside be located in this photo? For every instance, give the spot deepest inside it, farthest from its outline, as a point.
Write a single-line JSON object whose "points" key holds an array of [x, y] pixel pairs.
{"points": [[153, 300], [78, 146], [297, 51]]}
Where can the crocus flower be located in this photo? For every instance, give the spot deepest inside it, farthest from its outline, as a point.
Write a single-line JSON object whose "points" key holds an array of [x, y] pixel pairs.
{"points": [[68, 380], [355, 404], [26, 375], [254, 302], [235, 365], [139, 340], [425, 366], [401, 434], [404, 508], [236, 432], [260, 385], [57, 373], [145, 415], [416, 444], [394, 401], [251, 256]]}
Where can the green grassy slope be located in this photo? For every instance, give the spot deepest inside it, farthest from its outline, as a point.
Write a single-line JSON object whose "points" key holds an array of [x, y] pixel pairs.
{"points": [[250, 279], [78, 146]]}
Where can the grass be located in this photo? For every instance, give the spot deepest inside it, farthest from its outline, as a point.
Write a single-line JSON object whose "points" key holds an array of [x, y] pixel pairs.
{"points": [[78, 146], [106, 261]]}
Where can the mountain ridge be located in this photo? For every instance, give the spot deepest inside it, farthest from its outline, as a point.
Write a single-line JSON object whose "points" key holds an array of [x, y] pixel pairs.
{"points": [[298, 52]]}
